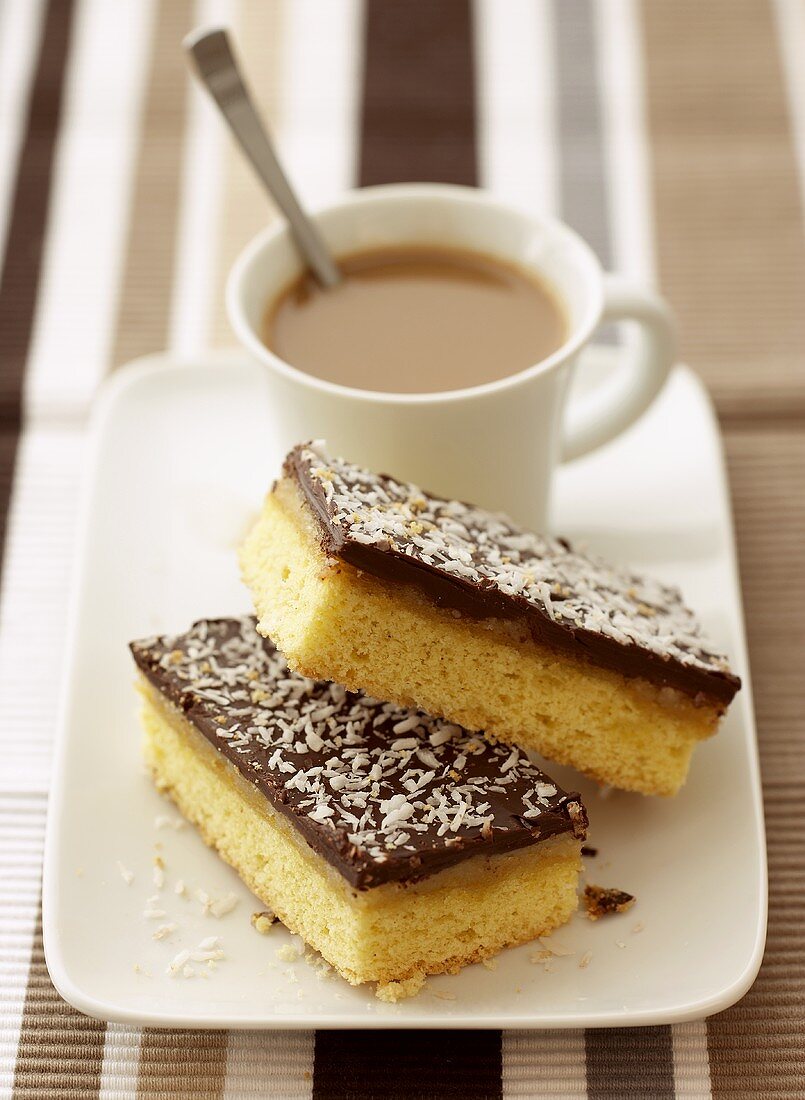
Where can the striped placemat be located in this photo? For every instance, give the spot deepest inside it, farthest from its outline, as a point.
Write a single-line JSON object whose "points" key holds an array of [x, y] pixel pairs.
{"points": [[671, 134]]}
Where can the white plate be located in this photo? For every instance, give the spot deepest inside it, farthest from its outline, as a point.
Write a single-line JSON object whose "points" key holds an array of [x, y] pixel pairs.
{"points": [[181, 458]]}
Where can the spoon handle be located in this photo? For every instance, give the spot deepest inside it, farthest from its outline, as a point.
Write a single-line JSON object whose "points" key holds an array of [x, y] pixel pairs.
{"points": [[218, 70]]}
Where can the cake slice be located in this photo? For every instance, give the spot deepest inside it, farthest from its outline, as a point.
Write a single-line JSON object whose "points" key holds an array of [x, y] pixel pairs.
{"points": [[440, 605], [395, 844]]}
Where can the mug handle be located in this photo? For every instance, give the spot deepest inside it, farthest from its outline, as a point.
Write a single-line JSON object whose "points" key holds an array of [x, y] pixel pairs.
{"points": [[612, 407]]}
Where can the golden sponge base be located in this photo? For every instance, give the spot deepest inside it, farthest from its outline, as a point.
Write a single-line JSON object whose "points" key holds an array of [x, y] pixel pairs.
{"points": [[394, 935], [334, 622]]}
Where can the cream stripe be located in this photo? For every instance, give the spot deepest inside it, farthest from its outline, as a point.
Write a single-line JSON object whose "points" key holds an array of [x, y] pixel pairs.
{"points": [[279, 1063], [260, 33], [33, 601], [790, 20], [319, 133], [515, 66], [626, 157], [87, 228], [544, 1064], [691, 1060], [20, 24], [200, 203], [121, 1062]]}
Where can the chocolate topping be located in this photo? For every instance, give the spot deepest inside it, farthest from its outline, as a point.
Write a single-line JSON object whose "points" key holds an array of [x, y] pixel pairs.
{"points": [[384, 794], [483, 566]]}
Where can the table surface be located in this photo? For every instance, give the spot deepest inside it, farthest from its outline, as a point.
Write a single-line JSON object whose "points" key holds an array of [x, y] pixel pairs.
{"points": [[671, 135]]}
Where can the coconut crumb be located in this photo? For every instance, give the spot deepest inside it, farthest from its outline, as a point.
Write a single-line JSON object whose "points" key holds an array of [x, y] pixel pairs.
{"points": [[638, 927], [490, 964], [392, 992], [540, 956], [177, 964], [180, 888], [159, 872], [219, 907], [125, 873], [163, 931], [556, 949], [585, 960]]}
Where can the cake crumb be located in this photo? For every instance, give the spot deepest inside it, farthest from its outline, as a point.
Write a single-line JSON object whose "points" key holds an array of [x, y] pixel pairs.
{"points": [[264, 921], [392, 992], [588, 851], [288, 952], [619, 943], [163, 821], [585, 960], [638, 927], [490, 964], [125, 873], [602, 901]]}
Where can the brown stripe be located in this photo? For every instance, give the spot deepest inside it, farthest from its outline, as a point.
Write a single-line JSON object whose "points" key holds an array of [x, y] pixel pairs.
{"points": [[729, 237], [418, 119], [146, 290], [28, 213], [179, 1064], [60, 1051], [629, 1062], [757, 1048], [354, 1065], [259, 29]]}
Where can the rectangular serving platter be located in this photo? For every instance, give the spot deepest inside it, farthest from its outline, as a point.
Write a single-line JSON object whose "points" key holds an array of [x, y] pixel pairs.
{"points": [[181, 455]]}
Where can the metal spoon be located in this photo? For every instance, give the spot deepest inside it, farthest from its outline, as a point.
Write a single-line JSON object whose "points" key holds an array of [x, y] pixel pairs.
{"points": [[218, 71]]}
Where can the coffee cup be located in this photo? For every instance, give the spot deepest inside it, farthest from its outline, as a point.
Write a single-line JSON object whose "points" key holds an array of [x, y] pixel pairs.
{"points": [[496, 444]]}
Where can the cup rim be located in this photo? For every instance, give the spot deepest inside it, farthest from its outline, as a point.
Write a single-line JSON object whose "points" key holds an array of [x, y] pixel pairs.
{"points": [[400, 192]]}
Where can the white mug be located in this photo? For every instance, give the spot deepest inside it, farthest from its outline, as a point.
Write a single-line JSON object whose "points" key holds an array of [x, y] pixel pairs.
{"points": [[497, 444]]}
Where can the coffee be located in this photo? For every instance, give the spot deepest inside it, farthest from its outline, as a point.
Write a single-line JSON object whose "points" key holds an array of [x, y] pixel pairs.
{"points": [[416, 319]]}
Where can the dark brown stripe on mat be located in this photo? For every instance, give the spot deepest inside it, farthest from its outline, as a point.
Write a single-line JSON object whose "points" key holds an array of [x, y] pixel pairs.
{"points": [[60, 1051], [757, 1048], [143, 319], [396, 1065], [418, 118], [729, 221], [625, 1062], [182, 1065], [28, 213]]}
